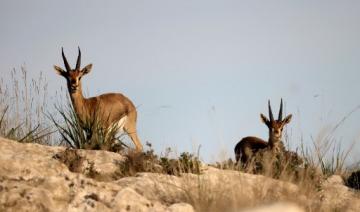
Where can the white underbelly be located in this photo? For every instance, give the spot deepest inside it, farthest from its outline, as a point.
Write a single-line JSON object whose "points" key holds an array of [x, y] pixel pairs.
{"points": [[119, 126]]}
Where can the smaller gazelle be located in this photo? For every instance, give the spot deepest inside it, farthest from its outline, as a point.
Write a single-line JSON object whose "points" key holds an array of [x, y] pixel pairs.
{"points": [[249, 146], [111, 109]]}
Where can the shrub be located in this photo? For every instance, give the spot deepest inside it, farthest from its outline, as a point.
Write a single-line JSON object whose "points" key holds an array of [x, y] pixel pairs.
{"points": [[354, 180], [148, 161], [88, 135]]}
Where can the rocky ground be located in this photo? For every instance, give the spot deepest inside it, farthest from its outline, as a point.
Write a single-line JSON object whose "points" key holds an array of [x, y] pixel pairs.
{"points": [[41, 178]]}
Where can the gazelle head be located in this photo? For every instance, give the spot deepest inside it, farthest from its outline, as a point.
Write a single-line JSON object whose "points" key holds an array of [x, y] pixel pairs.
{"points": [[275, 126], [73, 76]]}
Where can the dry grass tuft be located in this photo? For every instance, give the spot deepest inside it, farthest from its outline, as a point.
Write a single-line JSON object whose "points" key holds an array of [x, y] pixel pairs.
{"points": [[22, 105]]}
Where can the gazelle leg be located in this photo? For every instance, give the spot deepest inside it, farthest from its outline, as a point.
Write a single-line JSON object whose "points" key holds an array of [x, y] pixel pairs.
{"points": [[134, 137], [130, 129]]}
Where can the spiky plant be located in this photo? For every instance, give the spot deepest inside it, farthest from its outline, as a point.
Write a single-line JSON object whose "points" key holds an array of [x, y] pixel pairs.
{"points": [[87, 135], [19, 133]]}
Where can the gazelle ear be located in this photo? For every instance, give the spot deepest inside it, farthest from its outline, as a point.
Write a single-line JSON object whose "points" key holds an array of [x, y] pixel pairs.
{"points": [[59, 71], [287, 119], [86, 69], [264, 119]]}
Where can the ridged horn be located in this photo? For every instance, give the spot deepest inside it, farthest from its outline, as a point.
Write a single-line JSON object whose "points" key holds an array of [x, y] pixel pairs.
{"points": [[280, 111], [270, 112], [78, 62], [67, 66]]}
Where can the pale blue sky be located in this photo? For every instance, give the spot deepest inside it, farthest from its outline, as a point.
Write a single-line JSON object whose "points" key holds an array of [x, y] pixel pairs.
{"points": [[201, 71]]}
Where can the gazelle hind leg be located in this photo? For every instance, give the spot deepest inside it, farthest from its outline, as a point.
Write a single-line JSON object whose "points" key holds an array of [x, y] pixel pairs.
{"points": [[130, 129], [134, 137]]}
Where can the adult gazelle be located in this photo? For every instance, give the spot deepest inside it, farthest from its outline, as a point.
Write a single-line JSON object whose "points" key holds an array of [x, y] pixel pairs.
{"points": [[111, 109], [249, 146]]}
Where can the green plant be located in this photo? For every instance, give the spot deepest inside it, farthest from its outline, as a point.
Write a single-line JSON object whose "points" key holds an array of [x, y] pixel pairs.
{"points": [[19, 134], [88, 135]]}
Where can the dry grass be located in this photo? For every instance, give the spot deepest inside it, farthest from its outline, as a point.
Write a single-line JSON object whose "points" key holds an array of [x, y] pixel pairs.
{"points": [[148, 161], [232, 194], [317, 163], [22, 105]]}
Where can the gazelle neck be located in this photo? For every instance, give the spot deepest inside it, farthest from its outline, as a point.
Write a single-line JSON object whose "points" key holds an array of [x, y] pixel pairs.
{"points": [[77, 100], [275, 144]]}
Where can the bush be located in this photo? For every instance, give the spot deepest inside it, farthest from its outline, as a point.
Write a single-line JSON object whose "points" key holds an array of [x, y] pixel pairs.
{"points": [[148, 161], [88, 135], [354, 180]]}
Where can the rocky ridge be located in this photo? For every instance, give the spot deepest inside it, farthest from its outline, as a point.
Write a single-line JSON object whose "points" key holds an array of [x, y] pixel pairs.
{"points": [[34, 177]]}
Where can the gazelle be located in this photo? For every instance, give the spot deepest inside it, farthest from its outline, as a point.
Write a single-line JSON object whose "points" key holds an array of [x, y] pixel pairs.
{"points": [[249, 146], [111, 109]]}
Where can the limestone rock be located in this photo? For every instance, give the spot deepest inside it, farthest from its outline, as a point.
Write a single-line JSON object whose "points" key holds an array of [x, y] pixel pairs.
{"points": [[278, 207], [129, 200], [42, 178], [180, 207], [335, 194]]}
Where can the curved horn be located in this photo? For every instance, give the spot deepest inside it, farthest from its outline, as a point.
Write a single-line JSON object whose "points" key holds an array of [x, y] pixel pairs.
{"points": [[67, 66], [280, 111], [78, 62], [270, 112]]}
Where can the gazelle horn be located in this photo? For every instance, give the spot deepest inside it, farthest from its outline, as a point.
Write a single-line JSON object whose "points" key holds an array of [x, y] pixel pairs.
{"points": [[78, 62], [67, 66], [280, 111], [270, 113]]}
